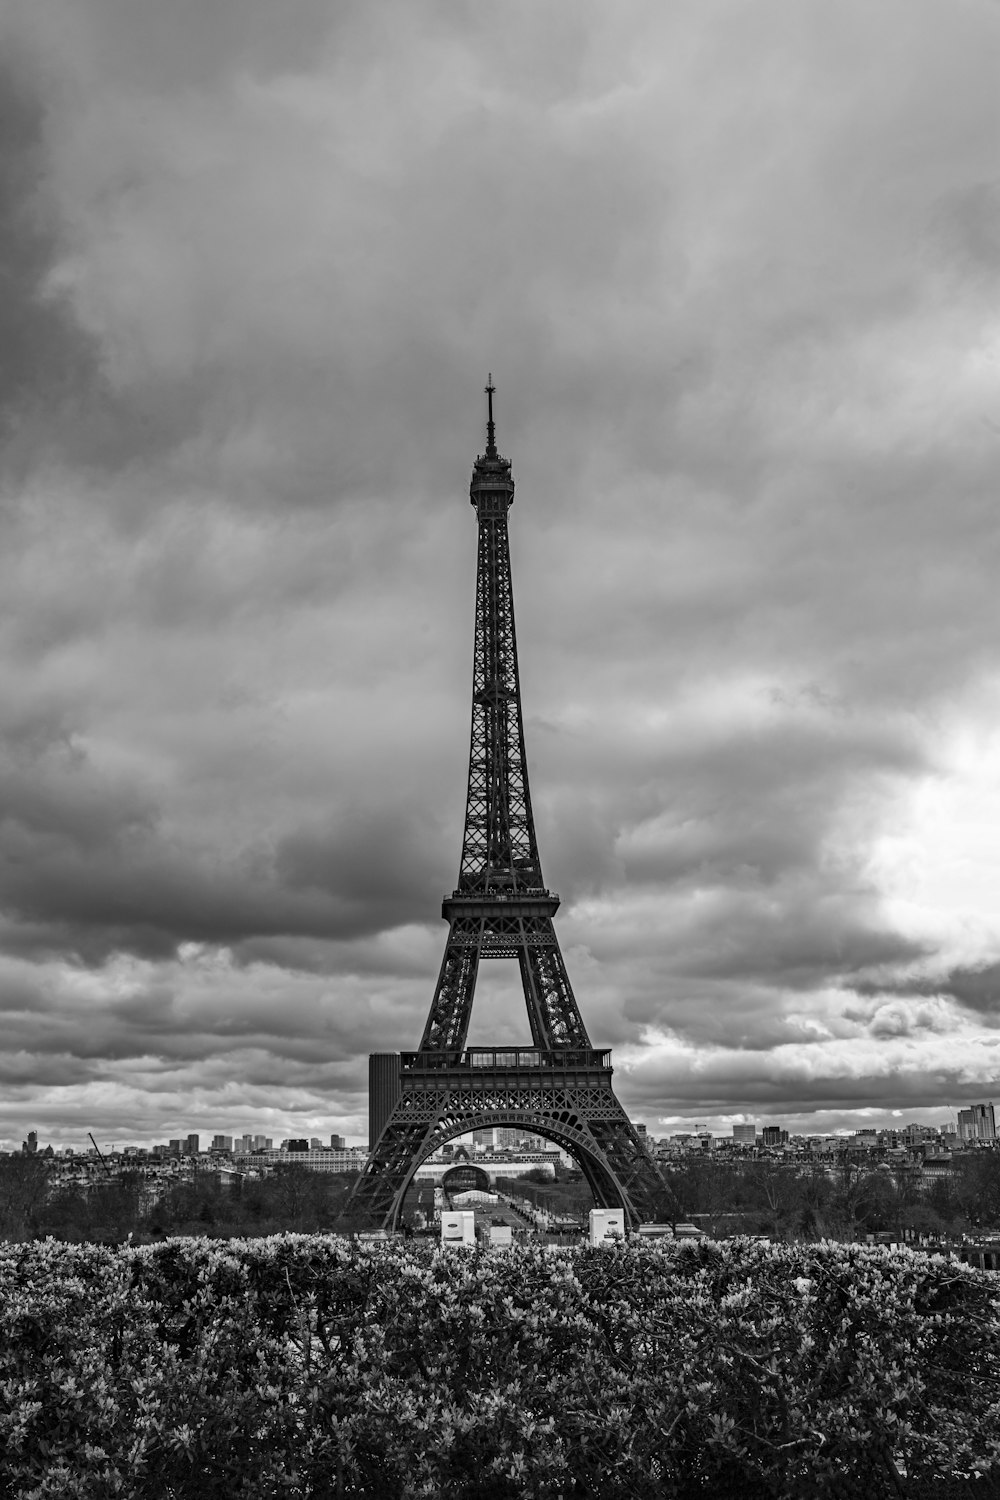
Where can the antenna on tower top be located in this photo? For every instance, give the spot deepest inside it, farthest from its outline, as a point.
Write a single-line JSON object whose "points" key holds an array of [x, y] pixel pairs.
{"points": [[491, 439]]}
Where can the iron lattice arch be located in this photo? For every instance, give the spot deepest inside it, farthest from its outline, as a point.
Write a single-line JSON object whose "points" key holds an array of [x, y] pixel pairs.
{"points": [[502, 909], [565, 1096]]}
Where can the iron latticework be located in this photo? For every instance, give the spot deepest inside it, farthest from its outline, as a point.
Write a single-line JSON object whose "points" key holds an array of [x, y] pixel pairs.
{"points": [[560, 1087]]}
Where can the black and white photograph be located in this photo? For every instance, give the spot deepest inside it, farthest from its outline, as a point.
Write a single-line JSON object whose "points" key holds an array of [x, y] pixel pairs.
{"points": [[602, 872]]}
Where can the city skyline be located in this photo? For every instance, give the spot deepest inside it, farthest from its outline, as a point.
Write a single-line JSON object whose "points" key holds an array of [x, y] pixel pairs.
{"points": [[971, 1131], [924, 1119], [735, 275]]}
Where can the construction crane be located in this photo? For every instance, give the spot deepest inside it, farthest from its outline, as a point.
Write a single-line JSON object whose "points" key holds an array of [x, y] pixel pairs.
{"points": [[98, 1150]]}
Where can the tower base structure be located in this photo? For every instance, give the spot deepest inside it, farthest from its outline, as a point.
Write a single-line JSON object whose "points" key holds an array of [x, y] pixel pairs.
{"points": [[563, 1094]]}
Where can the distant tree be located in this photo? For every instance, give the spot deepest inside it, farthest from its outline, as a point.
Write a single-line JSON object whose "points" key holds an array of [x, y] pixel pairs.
{"points": [[775, 1193], [922, 1219], [846, 1207], [24, 1180], [942, 1200], [708, 1189], [299, 1198], [64, 1214], [113, 1207], [192, 1207], [815, 1194], [686, 1183], [253, 1202], [876, 1203], [907, 1194], [976, 1188]]}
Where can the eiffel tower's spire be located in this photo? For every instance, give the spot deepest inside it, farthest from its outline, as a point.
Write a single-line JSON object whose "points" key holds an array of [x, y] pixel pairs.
{"points": [[491, 435]]}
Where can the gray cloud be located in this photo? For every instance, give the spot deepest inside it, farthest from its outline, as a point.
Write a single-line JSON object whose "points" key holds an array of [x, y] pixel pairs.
{"points": [[47, 357], [58, 405], [736, 277], [976, 989], [698, 1096]]}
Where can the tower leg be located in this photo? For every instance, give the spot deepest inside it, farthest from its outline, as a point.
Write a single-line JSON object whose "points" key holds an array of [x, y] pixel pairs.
{"points": [[448, 1022]]}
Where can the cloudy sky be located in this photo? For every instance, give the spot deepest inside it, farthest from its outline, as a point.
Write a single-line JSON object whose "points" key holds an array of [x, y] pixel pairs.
{"points": [[735, 268]]}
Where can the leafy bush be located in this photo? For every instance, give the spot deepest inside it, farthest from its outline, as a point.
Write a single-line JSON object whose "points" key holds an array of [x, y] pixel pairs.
{"points": [[306, 1366]]}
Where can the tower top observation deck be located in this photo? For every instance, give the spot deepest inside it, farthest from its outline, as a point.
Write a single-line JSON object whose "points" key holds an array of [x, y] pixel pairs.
{"points": [[492, 488]]}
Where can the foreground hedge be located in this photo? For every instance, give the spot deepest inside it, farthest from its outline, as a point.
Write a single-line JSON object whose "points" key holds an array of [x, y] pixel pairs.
{"points": [[302, 1366]]}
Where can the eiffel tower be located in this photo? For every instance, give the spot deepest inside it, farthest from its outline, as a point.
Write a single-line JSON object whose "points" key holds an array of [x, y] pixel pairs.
{"points": [[560, 1087]]}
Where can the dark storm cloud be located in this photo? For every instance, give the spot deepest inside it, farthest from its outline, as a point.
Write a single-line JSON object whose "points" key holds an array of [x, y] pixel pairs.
{"points": [[975, 989], [46, 355], [720, 811], [57, 404], [129, 892], [22, 993], [372, 856], [700, 1095], [200, 1012], [100, 852], [801, 941]]}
